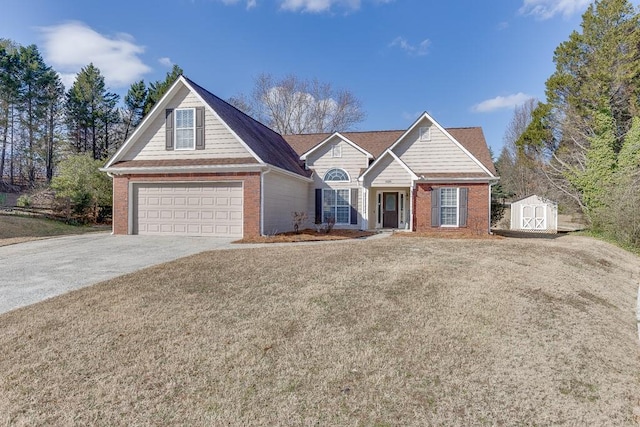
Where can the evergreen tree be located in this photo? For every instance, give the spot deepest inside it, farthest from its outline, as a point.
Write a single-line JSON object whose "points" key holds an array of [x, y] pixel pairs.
{"points": [[91, 113], [9, 89], [134, 103], [158, 88]]}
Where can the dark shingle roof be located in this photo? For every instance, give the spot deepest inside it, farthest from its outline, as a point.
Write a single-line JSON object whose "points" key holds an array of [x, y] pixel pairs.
{"points": [[266, 143], [375, 142]]}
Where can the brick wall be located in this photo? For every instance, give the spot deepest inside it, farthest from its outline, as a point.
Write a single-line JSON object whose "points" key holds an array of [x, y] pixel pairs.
{"points": [[478, 209], [251, 188]]}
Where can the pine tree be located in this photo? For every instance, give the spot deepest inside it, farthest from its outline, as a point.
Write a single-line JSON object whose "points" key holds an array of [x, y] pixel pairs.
{"points": [[134, 103], [90, 112], [158, 88]]}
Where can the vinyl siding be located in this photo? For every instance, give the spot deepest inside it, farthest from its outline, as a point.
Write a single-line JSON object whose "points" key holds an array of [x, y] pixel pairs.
{"points": [[388, 173], [282, 196], [438, 155], [219, 141], [351, 160]]}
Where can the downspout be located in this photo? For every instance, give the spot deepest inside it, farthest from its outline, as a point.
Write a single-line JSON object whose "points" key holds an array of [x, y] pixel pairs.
{"points": [[490, 186], [113, 189], [262, 200]]}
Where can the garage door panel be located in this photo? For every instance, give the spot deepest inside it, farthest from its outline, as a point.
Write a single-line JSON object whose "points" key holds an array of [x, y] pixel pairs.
{"points": [[213, 209]]}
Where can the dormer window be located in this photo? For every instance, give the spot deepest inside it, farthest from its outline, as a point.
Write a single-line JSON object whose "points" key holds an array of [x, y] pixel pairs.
{"points": [[336, 151], [425, 133], [336, 175]]}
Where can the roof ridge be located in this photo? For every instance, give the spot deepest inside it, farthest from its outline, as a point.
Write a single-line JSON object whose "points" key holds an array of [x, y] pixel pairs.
{"points": [[230, 105]]}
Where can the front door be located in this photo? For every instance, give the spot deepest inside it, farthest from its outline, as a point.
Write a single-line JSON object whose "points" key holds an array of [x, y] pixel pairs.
{"points": [[390, 210]]}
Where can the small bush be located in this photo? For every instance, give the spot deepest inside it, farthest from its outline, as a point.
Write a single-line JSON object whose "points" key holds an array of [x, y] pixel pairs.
{"points": [[24, 201], [299, 219]]}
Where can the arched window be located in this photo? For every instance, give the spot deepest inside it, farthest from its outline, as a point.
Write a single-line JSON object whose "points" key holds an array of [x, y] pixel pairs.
{"points": [[336, 175]]}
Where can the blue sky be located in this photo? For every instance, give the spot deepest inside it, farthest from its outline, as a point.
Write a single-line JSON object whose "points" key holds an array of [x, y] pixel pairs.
{"points": [[466, 62]]}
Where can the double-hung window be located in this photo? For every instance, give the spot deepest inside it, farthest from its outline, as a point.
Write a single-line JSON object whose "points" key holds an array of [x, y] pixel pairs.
{"points": [[185, 128], [335, 204], [449, 207]]}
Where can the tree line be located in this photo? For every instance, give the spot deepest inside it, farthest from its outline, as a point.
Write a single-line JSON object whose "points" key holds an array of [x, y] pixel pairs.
{"points": [[582, 144], [41, 123]]}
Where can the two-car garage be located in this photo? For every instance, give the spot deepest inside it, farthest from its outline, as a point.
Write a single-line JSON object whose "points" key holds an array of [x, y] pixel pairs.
{"points": [[188, 208]]}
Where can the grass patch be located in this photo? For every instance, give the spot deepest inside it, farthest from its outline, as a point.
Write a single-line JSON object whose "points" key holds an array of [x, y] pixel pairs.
{"points": [[383, 332], [18, 228]]}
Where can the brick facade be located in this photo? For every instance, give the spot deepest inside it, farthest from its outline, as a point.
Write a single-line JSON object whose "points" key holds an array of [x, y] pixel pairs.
{"points": [[478, 216], [251, 189]]}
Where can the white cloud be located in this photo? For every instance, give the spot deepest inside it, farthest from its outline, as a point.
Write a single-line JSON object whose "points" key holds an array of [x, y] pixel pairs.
{"points": [[545, 9], [69, 47], [501, 102], [317, 6], [166, 61], [250, 3], [420, 49]]}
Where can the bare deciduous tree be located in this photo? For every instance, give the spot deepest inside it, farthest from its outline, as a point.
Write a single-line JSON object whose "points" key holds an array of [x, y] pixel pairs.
{"points": [[291, 105]]}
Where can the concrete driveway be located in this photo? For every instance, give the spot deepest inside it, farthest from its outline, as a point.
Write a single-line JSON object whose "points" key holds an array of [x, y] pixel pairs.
{"points": [[36, 270]]}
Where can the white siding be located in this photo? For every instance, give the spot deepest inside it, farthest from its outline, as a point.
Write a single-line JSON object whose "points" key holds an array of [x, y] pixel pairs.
{"points": [[351, 160], [219, 141], [536, 208], [438, 155], [388, 173], [282, 196]]}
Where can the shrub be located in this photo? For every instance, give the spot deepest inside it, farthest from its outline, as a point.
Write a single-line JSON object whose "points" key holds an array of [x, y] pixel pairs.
{"points": [[82, 186], [298, 218], [24, 201]]}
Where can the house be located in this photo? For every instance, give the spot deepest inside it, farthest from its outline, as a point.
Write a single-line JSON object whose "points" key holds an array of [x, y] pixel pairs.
{"points": [[534, 214], [198, 166]]}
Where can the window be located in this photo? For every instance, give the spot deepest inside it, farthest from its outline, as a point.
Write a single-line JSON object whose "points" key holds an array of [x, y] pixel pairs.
{"points": [[449, 206], [336, 151], [425, 133], [185, 129], [335, 174], [335, 204]]}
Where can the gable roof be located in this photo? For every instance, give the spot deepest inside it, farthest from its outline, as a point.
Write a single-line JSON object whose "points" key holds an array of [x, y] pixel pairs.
{"points": [[375, 142], [329, 138], [267, 144]]}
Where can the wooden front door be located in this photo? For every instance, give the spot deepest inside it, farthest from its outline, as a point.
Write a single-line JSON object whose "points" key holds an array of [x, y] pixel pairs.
{"points": [[389, 210]]}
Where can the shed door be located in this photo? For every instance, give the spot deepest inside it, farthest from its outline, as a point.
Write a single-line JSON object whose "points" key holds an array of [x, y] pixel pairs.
{"points": [[534, 217], [188, 209]]}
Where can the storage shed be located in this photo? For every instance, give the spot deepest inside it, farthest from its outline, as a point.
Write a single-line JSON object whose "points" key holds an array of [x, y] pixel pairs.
{"points": [[534, 214]]}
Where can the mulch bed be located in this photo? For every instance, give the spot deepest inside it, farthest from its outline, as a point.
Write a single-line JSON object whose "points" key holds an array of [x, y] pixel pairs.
{"points": [[308, 235]]}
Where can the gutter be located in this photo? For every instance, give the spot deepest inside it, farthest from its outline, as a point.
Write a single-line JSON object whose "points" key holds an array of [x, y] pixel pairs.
{"points": [[178, 169]]}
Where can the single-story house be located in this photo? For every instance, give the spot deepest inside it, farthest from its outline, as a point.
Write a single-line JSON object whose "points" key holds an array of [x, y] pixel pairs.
{"points": [[198, 166], [534, 214]]}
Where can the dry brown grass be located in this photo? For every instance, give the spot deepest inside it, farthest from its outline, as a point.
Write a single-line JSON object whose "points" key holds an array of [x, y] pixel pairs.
{"points": [[18, 229], [384, 332], [308, 235]]}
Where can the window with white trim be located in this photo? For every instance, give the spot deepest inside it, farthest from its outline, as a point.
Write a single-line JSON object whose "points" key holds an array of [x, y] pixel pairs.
{"points": [[185, 128], [336, 175], [336, 150], [336, 204], [425, 133], [449, 207]]}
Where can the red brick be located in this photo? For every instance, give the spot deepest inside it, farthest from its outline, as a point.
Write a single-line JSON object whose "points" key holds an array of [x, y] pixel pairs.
{"points": [[478, 209], [251, 186]]}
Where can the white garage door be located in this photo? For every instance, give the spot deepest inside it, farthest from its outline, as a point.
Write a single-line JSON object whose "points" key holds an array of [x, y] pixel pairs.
{"points": [[188, 209]]}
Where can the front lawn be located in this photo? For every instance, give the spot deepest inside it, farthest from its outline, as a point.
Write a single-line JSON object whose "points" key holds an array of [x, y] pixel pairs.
{"points": [[384, 332], [20, 228]]}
